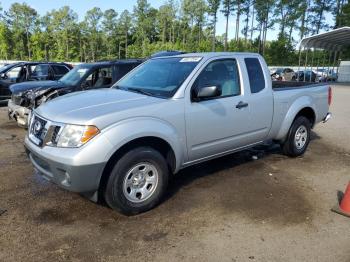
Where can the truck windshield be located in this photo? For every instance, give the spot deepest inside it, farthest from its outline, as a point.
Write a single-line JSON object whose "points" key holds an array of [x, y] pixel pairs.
{"points": [[159, 77], [75, 75]]}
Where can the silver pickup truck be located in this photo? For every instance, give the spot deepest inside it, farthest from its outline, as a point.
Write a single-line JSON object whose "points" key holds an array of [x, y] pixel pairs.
{"points": [[123, 143]]}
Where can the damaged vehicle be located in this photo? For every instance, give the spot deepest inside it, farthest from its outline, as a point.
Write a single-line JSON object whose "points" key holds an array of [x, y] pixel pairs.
{"points": [[28, 96], [28, 71]]}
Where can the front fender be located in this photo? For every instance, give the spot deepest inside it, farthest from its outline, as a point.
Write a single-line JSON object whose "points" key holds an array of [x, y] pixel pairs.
{"points": [[294, 109], [128, 130]]}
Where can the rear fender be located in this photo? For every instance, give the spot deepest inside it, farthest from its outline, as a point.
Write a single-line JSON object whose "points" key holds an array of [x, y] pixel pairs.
{"points": [[294, 109]]}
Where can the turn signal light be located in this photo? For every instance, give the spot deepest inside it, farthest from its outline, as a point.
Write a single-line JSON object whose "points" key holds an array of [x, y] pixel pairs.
{"points": [[90, 132]]}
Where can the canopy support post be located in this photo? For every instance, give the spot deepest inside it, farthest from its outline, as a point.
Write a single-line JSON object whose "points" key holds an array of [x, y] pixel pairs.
{"points": [[329, 62], [312, 63], [334, 60], [299, 62], [307, 51]]}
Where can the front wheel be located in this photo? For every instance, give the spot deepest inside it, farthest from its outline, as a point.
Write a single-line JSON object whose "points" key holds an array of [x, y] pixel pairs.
{"points": [[137, 181], [298, 137]]}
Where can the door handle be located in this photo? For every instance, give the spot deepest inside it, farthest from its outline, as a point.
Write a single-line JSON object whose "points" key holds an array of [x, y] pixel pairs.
{"points": [[241, 104]]}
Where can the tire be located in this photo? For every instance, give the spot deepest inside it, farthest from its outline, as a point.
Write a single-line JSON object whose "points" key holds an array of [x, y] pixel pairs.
{"points": [[294, 145], [137, 182]]}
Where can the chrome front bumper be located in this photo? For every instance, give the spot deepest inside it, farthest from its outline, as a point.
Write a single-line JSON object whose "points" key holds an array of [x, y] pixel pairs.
{"points": [[327, 117], [18, 113]]}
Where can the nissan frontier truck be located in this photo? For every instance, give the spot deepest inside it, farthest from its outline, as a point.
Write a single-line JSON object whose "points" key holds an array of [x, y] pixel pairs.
{"points": [[122, 144]]}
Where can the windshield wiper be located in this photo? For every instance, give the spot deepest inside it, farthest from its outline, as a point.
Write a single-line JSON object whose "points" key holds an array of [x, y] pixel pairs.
{"points": [[140, 91]]}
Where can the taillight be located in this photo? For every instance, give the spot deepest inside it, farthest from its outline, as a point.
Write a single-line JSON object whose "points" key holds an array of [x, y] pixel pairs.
{"points": [[329, 95]]}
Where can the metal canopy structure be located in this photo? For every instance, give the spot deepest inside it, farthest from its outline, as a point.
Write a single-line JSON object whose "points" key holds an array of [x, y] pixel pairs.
{"points": [[334, 40], [331, 43]]}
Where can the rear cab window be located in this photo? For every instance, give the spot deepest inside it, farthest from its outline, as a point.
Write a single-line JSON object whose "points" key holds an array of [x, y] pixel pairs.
{"points": [[59, 69], [255, 74], [39, 70]]}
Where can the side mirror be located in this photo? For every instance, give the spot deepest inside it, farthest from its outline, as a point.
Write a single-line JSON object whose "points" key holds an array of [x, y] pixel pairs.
{"points": [[3, 76], [206, 92]]}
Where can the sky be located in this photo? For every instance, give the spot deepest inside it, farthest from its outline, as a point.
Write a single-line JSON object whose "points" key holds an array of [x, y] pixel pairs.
{"points": [[81, 6]]}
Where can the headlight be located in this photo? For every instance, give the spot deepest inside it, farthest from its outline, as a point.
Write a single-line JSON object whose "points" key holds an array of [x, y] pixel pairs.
{"points": [[76, 136]]}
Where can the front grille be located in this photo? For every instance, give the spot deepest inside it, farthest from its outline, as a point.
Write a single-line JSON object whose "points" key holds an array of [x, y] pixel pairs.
{"points": [[43, 132], [55, 133], [38, 128]]}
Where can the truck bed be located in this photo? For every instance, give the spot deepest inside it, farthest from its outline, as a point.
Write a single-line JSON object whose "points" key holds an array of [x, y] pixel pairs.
{"points": [[288, 85]]}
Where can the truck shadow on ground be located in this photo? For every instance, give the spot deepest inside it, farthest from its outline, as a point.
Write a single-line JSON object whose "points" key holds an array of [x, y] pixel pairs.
{"points": [[262, 190], [257, 183]]}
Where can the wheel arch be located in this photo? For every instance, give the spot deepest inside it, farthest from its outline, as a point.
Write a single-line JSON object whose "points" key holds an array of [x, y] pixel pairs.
{"points": [[154, 142], [303, 106]]}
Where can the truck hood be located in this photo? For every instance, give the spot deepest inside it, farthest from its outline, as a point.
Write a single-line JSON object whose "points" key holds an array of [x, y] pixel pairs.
{"points": [[34, 85], [96, 107]]}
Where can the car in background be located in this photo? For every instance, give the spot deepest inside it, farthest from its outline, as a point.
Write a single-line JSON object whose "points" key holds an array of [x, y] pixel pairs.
{"points": [[29, 95], [327, 74], [29, 71], [167, 53], [307, 76], [332, 75], [321, 72], [283, 74]]}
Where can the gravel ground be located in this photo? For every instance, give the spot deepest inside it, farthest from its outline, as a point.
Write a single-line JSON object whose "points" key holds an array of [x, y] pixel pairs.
{"points": [[230, 209]]}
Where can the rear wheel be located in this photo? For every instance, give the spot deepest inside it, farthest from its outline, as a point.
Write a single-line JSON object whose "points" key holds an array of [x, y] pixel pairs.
{"points": [[298, 137], [137, 181]]}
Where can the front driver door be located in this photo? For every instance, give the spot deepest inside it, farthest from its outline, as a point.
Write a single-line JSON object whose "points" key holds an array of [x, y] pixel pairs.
{"points": [[218, 124]]}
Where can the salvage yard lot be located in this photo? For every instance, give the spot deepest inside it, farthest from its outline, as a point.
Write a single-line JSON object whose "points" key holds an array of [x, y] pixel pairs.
{"points": [[230, 209]]}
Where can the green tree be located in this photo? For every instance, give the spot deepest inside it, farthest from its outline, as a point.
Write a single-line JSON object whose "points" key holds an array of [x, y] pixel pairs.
{"points": [[319, 9], [228, 8], [109, 25], [141, 12], [264, 9], [93, 25], [166, 16], [22, 19], [213, 8], [125, 23], [5, 41], [61, 23]]}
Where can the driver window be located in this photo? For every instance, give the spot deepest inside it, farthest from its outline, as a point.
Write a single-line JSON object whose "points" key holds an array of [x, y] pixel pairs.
{"points": [[221, 73], [101, 77]]}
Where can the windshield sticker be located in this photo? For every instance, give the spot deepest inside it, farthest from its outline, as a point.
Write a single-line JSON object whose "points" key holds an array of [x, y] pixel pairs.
{"points": [[190, 59]]}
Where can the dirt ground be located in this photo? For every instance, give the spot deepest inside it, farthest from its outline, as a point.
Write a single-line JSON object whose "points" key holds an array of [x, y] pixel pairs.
{"points": [[231, 209]]}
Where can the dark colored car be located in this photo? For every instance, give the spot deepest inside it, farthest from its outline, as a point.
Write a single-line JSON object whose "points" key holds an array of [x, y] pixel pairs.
{"points": [[26, 71], [29, 95], [167, 53], [307, 76], [283, 74]]}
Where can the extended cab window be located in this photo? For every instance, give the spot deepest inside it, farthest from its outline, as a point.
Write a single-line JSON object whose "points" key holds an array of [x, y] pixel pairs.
{"points": [[255, 74], [222, 73]]}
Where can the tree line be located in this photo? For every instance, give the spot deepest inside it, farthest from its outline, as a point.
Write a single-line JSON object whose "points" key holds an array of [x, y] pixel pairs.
{"points": [[187, 25]]}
